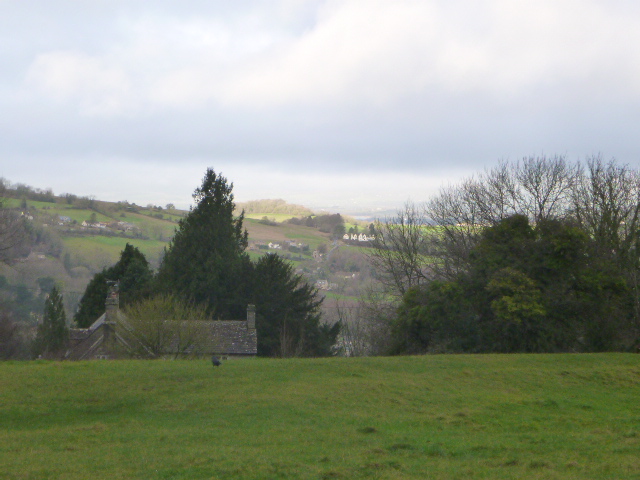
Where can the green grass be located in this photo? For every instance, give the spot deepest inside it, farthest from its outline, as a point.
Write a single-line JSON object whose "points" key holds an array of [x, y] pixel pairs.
{"points": [[276, 217], [449, 417]]}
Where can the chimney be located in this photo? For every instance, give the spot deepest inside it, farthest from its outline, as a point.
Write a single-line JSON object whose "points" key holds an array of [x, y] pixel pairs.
{"points": [[251, 317], [112, 303]]}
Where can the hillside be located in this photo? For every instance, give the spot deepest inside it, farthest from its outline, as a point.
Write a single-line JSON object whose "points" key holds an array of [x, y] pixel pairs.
{"points": [[447, 417], [75, 237]]}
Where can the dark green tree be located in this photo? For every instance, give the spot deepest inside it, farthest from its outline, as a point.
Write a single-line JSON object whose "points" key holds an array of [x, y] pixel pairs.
{"points": [[53, 334], [288, 312], [134, 275], [437, 317], [91, 304], [206, 260]]}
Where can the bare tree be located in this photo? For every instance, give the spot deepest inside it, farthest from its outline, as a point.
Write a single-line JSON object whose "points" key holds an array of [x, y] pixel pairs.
{"points": [[538, 187], [12, 231], [399, 250], [14, 342], [545, 186], [606, 202], [162, 325], [356, 328]]}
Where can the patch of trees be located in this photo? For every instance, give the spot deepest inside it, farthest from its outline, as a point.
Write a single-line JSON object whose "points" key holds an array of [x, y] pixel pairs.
{"points": [[267, 221], [22, 191], [207, 266], [532, 256], [328, 223]]}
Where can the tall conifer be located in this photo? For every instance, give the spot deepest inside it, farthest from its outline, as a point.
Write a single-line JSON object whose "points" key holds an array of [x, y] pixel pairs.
{"points": [[206, 260]]}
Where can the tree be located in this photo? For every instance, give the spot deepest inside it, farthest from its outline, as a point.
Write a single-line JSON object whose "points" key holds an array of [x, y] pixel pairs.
{"points": [[518, 312], [437, 317], [91, 305], [206, 260], [597, 206], [53, 334], [606, 203], [12, 230], [288, 312], [163, 321], [399, 250], [13, 343], [537, 288], [134, 274]]}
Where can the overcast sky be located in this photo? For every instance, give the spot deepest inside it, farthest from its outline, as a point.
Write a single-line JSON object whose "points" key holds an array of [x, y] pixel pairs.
{"points": [[342, 104]]}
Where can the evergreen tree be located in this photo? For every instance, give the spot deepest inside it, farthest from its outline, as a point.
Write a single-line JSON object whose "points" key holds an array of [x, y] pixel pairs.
{"points": [[206, 260], [288, 312], [53, 334], [91, 304], [207, 263], [134, 275]]}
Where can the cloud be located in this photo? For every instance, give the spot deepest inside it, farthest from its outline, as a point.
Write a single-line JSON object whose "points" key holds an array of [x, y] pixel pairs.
{"points": [[351, 87], [354, 53], [97, 87]]}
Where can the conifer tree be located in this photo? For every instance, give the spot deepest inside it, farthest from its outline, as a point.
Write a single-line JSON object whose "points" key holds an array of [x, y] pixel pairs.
{"points": [[288, 312], [53, 334], [134, 275], [206, 260]]}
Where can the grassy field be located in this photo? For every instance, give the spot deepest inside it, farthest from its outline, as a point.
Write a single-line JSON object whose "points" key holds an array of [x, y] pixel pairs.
{"points": [[99, 251], [276, 217], [444, 417]]}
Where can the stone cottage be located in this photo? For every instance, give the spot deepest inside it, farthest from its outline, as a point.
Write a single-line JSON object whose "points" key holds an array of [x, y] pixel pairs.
{"points": [[111, 336]]}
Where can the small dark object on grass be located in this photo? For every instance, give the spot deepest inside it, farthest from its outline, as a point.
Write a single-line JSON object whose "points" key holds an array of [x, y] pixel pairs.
{"points": [[367, 430], [216, 361]]}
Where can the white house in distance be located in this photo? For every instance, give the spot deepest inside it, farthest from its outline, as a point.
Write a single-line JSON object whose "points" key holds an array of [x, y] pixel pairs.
{"points": [[358, 237]]}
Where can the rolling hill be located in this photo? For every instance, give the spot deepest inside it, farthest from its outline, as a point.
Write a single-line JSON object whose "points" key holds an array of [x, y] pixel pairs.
{"points": [[73, 238]]}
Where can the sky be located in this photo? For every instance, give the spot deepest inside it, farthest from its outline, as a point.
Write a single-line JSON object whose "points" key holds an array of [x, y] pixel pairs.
{"points": [[346, 105]]}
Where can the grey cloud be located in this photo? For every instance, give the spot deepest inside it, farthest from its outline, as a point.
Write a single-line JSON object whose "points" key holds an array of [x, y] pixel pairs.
{"points": [[421, 114]]}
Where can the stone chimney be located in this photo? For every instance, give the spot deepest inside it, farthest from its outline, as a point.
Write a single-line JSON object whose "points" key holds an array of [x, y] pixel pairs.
{"points": [[251, 317], [112, 303]]}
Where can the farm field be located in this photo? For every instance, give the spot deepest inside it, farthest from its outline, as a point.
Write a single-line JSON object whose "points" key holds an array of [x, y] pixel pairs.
{"points": [[100, 251], [443, 417]]}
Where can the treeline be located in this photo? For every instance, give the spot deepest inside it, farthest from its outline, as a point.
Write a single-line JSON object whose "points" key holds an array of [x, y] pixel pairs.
{"points": [[272, 206], [22, 191], [327, 223], [540, 255]]}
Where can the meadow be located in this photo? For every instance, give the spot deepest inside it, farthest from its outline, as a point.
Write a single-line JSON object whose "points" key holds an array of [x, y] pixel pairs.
{"points": [[442, 417]]}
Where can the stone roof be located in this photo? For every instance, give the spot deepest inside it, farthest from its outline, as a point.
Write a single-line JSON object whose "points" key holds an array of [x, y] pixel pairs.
{"points": [[228, 337], [220, 337], [215, 337]]}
